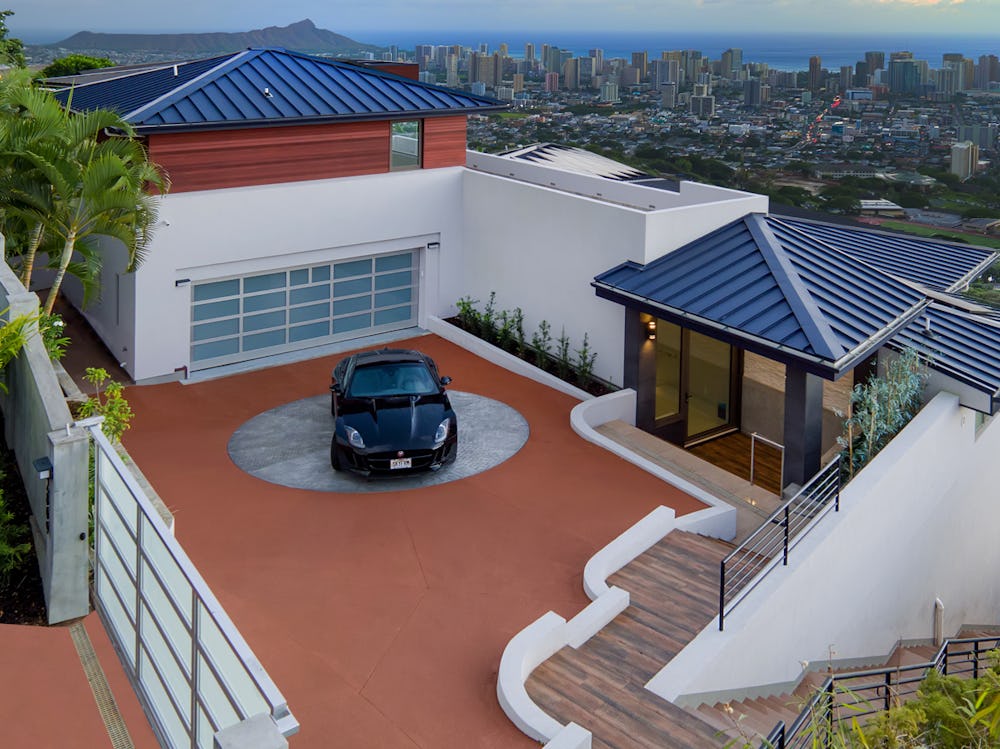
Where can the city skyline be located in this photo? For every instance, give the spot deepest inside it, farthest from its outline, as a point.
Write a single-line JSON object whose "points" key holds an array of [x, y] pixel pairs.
{"points": [[45, 21]]}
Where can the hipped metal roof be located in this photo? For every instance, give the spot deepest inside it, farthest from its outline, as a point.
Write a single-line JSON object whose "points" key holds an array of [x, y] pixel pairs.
{"points": [[931, 263], [260, 87], [962, 345], [769, 287]]}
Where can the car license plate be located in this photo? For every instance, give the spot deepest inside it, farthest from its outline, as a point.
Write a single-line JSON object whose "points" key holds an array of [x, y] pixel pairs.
{"points": [[400, 463]]}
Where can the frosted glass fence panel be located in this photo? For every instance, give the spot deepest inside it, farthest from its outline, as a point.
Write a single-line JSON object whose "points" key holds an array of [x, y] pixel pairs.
{"points": [[191, 668]]}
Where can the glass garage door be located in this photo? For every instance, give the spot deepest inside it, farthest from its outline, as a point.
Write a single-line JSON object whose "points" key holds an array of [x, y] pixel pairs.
{"points": [[252, 316]]}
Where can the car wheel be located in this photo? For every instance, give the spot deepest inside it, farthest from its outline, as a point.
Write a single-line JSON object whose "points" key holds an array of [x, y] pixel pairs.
{"points": [[334, 456]]}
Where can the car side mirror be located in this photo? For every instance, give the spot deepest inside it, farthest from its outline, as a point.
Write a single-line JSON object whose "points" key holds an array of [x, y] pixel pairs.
{"points": [[445, 380], [335, 387]]}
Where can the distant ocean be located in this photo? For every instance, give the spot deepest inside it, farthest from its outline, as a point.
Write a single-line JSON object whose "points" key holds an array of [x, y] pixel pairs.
{"points": [[789, 51]]}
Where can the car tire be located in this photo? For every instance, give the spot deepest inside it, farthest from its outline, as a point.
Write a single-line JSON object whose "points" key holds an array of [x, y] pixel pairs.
{"points": [[334, 456]]}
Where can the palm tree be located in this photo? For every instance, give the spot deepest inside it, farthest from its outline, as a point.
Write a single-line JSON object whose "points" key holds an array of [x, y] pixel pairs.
{"points": [[72, 178]]}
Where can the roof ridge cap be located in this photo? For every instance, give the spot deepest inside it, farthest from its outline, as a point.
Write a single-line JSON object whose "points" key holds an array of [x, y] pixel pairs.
{"points": [[176, 93], [807, 312]]}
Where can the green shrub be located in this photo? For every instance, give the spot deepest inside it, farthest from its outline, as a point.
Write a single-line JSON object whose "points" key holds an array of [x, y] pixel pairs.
{"points": [[110, 404], [14, 543]]}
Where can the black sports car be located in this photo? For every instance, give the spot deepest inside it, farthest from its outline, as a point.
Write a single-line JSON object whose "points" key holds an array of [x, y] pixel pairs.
{"points": [[391, 413]]}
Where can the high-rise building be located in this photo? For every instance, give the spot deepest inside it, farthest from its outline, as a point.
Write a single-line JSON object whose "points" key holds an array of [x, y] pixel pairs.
{"points": [[703, 106], [586, 66], [629, 76], [484, 49], [668, 95], [529, 52], [846, 77], [598, 57], [551, 81], [518, 83], [609, 93], [987, 70], [815, 73], [861, 74], [756, 93], [984, 136], [946, 81], [731, 62], [964, 159], [451, 71], [875, 61], [571, 73], [503, 50], [640, 61], [904, 73]]}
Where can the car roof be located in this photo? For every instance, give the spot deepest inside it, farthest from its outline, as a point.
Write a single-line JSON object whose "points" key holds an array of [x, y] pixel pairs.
{"points": [[389, 355]]}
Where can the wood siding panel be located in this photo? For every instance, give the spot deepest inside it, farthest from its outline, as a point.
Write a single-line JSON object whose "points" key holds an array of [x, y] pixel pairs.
{"points": [[237, 158], [444, 142]]}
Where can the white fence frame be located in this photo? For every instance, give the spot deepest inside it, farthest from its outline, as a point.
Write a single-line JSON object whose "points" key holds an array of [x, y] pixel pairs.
{"points": [[193, 672]]}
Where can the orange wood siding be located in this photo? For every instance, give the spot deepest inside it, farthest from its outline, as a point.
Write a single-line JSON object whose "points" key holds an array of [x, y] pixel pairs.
{"points": [[236, 158], [444, 142]]}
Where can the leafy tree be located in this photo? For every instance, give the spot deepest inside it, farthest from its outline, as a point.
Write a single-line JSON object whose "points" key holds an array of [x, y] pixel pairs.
{"points": [[73, 64], [11, 49], [68, 184]]}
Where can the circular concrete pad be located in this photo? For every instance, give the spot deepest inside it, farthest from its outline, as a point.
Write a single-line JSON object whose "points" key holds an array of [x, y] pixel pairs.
{"points": [[290, 446]]}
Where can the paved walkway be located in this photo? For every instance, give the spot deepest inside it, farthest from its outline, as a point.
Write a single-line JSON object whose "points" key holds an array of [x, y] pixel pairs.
{"points": [[382, 617]]}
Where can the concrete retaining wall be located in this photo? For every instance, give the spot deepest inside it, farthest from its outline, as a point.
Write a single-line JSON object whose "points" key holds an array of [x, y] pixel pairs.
{"points": [[38, 424]]}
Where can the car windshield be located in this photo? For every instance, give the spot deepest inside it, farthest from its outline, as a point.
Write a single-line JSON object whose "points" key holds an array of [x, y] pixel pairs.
{"points": [[392, 378]]}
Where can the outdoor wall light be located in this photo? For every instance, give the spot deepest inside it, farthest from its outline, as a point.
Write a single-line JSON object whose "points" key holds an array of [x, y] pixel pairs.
{"points": [[43, 467], [651, 330], [433, 245]]}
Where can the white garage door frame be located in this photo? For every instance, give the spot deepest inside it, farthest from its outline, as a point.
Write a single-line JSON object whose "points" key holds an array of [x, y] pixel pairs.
{"points": [[245, 316]]}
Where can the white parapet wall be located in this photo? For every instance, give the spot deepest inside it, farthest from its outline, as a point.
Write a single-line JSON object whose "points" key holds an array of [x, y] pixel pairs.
{"points": [[919, 523], [718, 519], [535, 644]]}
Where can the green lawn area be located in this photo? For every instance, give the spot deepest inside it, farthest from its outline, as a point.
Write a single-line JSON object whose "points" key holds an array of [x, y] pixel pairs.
{"points": [[947, 234]]}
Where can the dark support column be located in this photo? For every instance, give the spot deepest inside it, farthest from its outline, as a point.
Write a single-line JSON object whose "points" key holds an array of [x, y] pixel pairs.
{"points": [[803, 435], [640, 367]]}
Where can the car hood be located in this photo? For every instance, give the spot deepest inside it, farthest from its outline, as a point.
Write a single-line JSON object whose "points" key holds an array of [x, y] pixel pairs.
{"points": [[397, 423]]}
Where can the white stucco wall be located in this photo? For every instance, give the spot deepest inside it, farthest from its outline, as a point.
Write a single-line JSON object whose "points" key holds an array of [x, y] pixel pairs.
{"points": [[539, 247], [218, 233], [918, 523]]}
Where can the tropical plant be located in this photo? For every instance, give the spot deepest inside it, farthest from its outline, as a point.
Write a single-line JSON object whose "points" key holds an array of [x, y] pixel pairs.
{"points": [[14, 543], [881, 407], [70, 179], [53, 329], [11, 48], [13, 334], [111, 404]]}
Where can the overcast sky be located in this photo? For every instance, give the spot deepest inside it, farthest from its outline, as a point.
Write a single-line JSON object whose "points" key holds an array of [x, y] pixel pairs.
{"points": [[50, 20]]}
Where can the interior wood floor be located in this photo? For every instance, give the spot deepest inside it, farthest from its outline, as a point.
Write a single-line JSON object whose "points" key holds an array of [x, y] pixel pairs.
{"points": [[732, 453]]}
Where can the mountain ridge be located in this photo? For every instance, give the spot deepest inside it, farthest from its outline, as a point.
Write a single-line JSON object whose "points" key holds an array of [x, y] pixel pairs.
{"points": [[302, 36]]}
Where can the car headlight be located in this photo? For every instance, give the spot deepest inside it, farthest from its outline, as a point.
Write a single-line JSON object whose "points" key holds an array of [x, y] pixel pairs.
{"points": [[354, 438], [442, 432]]}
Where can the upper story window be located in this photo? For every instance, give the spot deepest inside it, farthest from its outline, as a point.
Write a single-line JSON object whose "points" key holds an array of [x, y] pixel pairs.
{"points": [[405, 146]]}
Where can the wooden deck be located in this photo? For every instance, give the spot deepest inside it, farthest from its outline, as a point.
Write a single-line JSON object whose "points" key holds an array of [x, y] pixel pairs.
{"points": [[674, 589], [732, 453]]}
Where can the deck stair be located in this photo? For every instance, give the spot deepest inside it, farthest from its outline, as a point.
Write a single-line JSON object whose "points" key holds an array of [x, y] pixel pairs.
{"points": [[756, 717], [673, 588]]}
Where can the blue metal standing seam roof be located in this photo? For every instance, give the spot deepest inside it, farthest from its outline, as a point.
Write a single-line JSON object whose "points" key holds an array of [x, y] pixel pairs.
{"points": [[959, 344], [934, 264], [269, 86], [770, 289]]}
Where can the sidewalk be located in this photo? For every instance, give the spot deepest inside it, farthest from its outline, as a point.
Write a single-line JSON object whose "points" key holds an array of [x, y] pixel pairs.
{"points": [[45, 698]]}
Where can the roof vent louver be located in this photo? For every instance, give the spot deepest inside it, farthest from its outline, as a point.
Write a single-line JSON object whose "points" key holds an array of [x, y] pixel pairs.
{"points": [[267, 93]]}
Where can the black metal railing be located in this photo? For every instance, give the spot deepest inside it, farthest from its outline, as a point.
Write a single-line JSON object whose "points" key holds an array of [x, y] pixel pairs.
{"points": [[769, 545], [859, 694]]}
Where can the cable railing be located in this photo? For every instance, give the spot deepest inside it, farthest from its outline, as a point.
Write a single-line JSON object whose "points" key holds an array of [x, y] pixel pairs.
{"points": [[744, 568], [857, 695]]}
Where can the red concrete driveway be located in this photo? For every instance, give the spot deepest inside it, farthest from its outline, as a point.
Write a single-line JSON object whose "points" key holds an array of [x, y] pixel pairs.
{"points": [[382, 617]]}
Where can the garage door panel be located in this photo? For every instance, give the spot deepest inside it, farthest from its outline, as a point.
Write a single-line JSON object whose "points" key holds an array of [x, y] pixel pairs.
{"points": [[242, 318]]}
